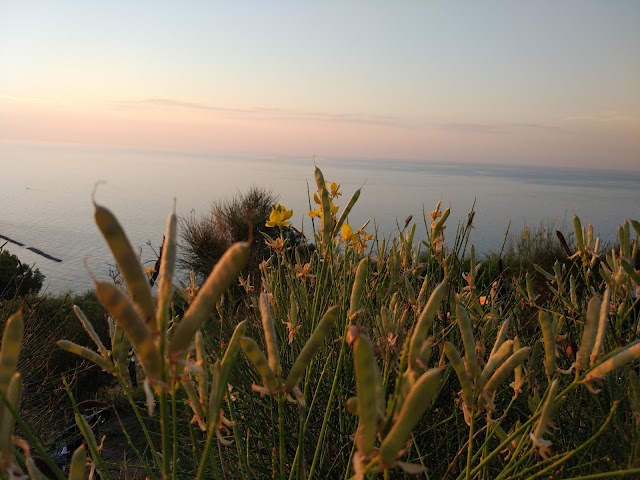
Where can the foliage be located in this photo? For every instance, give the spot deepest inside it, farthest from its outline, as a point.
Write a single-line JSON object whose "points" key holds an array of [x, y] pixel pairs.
{"points": [[357, 364], [16, 278], [241, 218]]}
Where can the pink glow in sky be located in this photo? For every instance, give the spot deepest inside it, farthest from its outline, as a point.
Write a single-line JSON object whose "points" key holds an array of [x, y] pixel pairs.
{"points": [[494, 82]]}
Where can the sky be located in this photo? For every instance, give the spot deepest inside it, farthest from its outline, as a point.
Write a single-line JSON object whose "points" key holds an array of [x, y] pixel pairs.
{"points": [[544, 82]]}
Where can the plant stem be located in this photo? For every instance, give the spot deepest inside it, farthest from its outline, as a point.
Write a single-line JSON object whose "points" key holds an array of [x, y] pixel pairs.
{"points": [[281, 433], [470, 445]]}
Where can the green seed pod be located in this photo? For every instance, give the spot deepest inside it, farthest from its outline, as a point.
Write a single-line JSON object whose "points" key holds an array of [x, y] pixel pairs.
{"points": [[224, 273], [425, 321], [7, 420], [495, 362], [311, 347], [293, 310], [364, 364], [78, 466], [624, 356], [425, 352], [381, 394], [435, 232], [636, 226], [463, 376], [548, 410], [588, 334], [535, 364], [231, 352], [577, 227], [466, 329], [544, 273], [626, 240], [557, 269], [127, 261], [530, 292], [628, 268], [423, 292], [606, 275], [505, 370], [327, 228], [549, 338], [218, 389], [358, 287], [319, 178], [518, 371], [120, 307], [87, 433], [90, 330], [87, 354], [10, 350], [411, 293], [572, 291], [201, 358], [345, 213], [589, 236], [270, 336], [501, 337], [602, 327], [255, 355], [422, 395], [165, 282], [120, 346]]}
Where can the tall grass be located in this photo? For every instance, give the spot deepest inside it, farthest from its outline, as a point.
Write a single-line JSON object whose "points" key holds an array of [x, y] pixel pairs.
{"points": [[355, 362]]}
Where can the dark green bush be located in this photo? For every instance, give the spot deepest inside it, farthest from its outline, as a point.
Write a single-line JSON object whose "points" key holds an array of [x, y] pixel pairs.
{"points": [[16, 278]]}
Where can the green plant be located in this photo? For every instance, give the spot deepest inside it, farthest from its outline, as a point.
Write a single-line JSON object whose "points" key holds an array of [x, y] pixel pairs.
{"points": [[437, 383], [16, 278]]}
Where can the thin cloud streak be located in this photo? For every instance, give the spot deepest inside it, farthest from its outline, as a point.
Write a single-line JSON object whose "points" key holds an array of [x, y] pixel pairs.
{"points": [[608, 117], [506, 128], [271, 112]]}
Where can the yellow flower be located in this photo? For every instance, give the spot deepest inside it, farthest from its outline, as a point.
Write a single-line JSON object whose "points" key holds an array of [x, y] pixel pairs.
{"points": [[315, 213], [279, 217], [347, 233], [149, 271], [334, 189]]}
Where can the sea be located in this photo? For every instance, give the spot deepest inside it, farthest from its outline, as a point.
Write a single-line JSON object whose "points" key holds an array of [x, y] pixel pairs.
{"points": [[46, 198]]}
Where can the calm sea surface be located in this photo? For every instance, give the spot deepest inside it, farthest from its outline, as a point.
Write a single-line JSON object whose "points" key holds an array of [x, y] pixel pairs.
{"points": [[45, 197]]}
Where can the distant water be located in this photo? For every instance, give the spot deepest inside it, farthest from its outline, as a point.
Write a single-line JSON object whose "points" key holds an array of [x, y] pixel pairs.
{"points": [[45, 197]]}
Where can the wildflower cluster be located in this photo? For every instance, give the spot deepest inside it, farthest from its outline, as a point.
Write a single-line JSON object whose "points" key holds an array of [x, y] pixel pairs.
{"points": [[357, 240], [279, 217], [333, 189], [437, 227]]}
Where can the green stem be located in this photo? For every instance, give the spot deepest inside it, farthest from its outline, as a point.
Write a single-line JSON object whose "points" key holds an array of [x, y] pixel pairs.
{"points": [[174, 435], [327, 412], [165, 430], [281, 433], [616, 473], [145, 430], [470, 445], [581, 447], [236, 434]]}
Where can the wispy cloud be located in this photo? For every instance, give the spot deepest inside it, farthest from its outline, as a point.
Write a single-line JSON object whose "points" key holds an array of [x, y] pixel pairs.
{"points": [[505, 128], [604, 117], [270, 112]]}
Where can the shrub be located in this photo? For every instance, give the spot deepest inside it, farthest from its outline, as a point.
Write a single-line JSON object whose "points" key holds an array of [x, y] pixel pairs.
{"points": [[16, 278], [206, 238]]}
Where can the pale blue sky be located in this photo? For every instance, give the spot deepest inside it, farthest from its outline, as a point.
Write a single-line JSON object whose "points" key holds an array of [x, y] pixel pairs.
{"points": [[499, 81]]}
